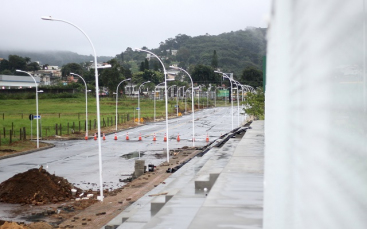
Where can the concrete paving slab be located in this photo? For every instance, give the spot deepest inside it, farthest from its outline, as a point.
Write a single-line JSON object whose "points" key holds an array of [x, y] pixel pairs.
{"points": [[245, 164], [227, 217], [177, 213], [236, 190]]}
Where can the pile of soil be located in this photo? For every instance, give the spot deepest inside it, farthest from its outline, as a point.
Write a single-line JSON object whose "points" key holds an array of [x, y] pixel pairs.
{"points": [[36, 186], [13, 225]]}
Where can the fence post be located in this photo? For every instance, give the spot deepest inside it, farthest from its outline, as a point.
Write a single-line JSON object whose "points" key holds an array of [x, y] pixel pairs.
{"points": [[95, 123], [79, 125], [60, 129], [20, 134], [56, 132], [128, 117], [24, 134], [11, 135], [90, 124], [103, 123]]}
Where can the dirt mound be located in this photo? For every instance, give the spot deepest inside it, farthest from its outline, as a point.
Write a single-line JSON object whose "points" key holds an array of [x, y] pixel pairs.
{"points": [[14, 225], [35, 186]]}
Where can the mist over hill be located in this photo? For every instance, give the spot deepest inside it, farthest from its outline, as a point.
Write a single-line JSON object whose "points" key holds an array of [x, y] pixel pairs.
{"points": [[58, 58]]}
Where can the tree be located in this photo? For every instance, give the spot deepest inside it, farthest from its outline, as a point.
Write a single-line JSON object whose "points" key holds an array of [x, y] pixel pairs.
{"points": [[142, 67], [71, 67], [255, 103], [17, 62], [214, 62], [204, 74], [252, 76], [33, 66], [111, 77], [146, 64], [27, 59], [4, 65]]}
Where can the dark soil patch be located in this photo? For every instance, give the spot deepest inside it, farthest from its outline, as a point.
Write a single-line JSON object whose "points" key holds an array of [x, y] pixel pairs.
{"points": [[36, 186]]}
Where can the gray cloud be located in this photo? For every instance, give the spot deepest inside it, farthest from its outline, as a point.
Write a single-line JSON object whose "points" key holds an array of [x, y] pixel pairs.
{"points": [[114, 25]]}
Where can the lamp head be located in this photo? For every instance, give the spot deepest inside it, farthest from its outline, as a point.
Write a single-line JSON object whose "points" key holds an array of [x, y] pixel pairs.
{"points": [[137, 49], [48, 18], [174, 67], [18, 70]]}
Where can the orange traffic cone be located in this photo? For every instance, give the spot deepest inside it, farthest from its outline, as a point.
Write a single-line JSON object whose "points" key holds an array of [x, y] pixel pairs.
{"points": [[165, 137], [178, 137], [154, 137], [127, 136], [95, 136], [139, 136], [86, 136], [115, 137], [207, 137], [104, 137]]}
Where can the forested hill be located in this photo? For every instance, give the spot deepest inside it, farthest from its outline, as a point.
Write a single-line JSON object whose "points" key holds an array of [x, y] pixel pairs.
{"points": [[58, 58], [231, 52]]}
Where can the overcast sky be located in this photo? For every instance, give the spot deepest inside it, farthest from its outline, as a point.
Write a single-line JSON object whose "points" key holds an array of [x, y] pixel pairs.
{"points": [[114, 25]]}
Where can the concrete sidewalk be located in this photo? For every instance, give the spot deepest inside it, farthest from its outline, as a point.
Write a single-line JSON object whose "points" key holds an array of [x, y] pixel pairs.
{"points": [[222, 189]]}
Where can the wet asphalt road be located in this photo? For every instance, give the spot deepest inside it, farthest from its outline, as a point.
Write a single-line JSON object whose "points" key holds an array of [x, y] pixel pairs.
{"points": [[77, 161]]}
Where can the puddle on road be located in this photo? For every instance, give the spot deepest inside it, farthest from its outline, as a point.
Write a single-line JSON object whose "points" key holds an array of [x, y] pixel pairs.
{"points": [[135, 154]]}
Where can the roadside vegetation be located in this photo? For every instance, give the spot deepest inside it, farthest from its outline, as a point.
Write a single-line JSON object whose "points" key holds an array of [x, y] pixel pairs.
{"points": [[67, 115], [255, 104]]}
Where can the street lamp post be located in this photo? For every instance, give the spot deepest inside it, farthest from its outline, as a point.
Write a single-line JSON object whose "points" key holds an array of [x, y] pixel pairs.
{"points": [[230, 80], [165, 88], [155, 89], [139, 100], [38, 145], [97, 101], [207, 96], [192, 103], [238, 104], [117, 97], [86, 105]]}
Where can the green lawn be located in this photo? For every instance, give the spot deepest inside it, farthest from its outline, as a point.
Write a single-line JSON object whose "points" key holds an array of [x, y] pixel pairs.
{"points": [[70, 113]]}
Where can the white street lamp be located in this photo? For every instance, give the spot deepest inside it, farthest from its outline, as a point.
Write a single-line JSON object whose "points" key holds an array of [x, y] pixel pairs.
{"points": [[155, 89], [86, 105], [230, 80], [117, 97], [192, 103], [238, 104], [207, 96], [139, 100], [97, 101], [38, 145], [165, 88], [178, 89]]}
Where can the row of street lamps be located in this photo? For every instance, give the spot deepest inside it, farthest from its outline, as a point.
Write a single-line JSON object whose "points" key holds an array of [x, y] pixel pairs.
{"points": [[97, 99]]}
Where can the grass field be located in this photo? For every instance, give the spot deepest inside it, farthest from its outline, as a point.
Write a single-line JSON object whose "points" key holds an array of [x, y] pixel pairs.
{"points": [[70, 114]]}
